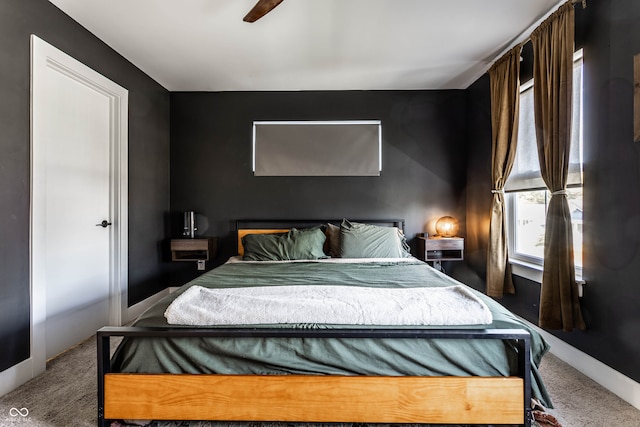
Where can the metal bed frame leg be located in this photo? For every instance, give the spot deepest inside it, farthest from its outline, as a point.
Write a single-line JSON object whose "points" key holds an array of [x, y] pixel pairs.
{"points": [[104, 367], [524, 367]]}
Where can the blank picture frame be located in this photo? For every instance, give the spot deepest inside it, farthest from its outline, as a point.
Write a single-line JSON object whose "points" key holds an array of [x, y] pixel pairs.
{"points": [[317, 148]]}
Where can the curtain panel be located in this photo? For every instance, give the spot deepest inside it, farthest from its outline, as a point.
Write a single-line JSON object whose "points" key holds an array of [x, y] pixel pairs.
{"points": [[553, 46], [505, 107]]}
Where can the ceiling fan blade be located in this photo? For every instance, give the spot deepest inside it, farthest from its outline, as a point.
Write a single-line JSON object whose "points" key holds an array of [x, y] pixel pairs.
{"points": [[260, 9]]}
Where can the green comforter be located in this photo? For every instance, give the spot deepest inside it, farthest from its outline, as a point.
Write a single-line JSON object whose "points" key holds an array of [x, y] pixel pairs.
{"points": [[362, 356]]}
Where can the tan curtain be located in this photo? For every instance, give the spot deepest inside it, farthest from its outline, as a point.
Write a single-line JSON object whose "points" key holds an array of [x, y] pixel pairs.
{"points": [[553, 47], [505, 109]]}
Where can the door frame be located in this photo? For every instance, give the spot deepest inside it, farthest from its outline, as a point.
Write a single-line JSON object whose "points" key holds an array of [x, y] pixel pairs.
{"points": [[44, 58]]}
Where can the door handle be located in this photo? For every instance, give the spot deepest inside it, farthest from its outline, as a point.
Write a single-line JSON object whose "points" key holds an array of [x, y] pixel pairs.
{"points": [[104, 224]]}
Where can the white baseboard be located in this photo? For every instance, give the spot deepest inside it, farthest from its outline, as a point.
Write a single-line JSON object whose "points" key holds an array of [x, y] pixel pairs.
{"points": [[617, 383], [15, 376]]}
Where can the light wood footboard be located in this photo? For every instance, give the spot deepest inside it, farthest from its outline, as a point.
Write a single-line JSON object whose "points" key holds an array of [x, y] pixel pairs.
{"points": [[316, 398]]}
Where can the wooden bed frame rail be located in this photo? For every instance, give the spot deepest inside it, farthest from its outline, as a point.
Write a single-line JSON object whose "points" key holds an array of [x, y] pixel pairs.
{"points": [[315, 398]]}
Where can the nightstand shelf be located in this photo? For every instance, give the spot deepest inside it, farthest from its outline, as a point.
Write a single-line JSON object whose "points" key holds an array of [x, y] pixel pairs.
{"points": [[198, 249], [438, 249]]}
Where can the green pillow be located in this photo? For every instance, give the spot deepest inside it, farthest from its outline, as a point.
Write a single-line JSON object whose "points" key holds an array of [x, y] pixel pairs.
{"points": [[371, 241], [292, 245]]}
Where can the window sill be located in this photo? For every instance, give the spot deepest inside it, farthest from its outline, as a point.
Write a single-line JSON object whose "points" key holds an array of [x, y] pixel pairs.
{"points": [[527, 270], [532, 271]]}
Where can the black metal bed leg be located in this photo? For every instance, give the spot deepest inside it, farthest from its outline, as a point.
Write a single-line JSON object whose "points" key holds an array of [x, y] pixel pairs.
{"points": [[104, 366], [524, 371], [528, 417]]}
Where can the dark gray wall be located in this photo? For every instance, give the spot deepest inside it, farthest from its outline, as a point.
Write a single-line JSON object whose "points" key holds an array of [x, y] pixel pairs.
{"points": [[423, 166], [478, 152], [148, 160], [609, 31]]}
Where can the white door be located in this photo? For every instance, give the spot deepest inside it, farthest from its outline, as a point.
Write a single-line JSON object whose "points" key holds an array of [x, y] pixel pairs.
{"points": [[77, 145]]}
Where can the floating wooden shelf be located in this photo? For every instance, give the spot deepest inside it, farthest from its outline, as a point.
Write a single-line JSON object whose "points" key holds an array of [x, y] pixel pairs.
{"points": [[198, 249]]}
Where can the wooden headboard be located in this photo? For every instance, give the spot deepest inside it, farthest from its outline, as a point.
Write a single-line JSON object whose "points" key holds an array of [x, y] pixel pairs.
{"points": [[267, 226]]}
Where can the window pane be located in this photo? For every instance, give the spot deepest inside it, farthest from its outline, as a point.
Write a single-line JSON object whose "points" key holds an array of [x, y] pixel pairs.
{"points": [[575, 155], [529, 219], [574, 197], [525, 173], [530, 209]]}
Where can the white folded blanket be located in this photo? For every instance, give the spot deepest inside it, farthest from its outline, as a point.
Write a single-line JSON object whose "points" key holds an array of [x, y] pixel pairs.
{"points": [[343, 305]]}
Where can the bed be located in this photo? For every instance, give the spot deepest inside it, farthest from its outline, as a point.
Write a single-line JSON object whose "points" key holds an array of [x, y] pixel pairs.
{"points": [[309, 369]]}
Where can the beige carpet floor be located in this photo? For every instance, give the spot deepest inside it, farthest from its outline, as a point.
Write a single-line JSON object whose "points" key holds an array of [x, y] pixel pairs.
{"points": [[65, 395]]}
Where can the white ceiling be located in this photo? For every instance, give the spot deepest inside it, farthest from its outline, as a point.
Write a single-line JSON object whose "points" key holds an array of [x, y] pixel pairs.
{"points": [[203, 45]]}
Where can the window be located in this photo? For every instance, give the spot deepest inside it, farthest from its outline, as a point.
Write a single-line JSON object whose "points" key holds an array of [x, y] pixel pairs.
{"points": [[526, 195]]}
